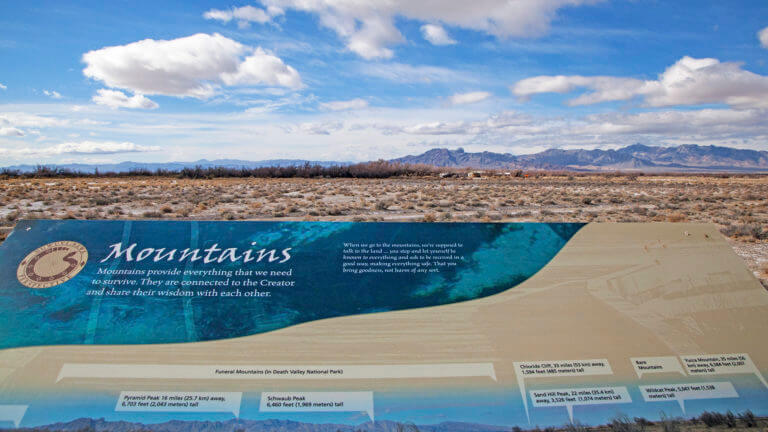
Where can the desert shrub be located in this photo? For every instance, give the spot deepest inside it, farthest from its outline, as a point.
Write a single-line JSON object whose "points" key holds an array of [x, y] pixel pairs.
{"points": [[753, 231], [575, 427], [623, 423], [101, 201], [643, 421], [12, 216], [495, 216], [334, 211], [748, 418], [677, 217], [375, 169], [228, 215], [669, 424], [712, 418]]}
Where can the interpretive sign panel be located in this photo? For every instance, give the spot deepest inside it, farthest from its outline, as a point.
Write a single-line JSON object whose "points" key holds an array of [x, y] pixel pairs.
{"points": [[319, 326]]}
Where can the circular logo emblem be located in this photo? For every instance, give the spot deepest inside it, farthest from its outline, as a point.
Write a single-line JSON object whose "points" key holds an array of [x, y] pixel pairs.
{"points": [[52, 264]]}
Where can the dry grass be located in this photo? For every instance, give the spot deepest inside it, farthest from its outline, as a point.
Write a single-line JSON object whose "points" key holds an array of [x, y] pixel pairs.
{"points": [[738, 205]]}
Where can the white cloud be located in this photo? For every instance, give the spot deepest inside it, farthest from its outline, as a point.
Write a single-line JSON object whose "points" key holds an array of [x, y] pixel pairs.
{"points": [[370, 41], [243, 15], [10, 131], [53, 94], [118, 99], [763, 36], [513, 130], [469, 98], [80, 148], [689, 81], [603, 88], [262, 68], [224, 15], [696, 81], [436, 35], [375, 133], [507, 121], [368, 27], [24, 120], [292, 101], [405, 73], [194, 66], [90, 122], [437, 128], [353, 104], [2, 87], [318, 128], [706, 122]]}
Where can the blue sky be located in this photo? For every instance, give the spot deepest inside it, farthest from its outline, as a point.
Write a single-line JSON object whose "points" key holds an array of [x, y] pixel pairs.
{"points": [[87, 81]]}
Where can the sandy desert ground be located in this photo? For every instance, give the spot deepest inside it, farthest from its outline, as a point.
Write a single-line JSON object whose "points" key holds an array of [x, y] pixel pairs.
{"points": [[738, 205]]}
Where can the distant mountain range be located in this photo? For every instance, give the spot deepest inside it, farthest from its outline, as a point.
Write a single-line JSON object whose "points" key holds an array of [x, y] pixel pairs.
{"points": [[101, 425], [637, 157]]}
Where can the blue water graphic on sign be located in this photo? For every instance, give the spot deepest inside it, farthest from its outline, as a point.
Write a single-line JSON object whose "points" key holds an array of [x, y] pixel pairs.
{"points": [[184, 281]]}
